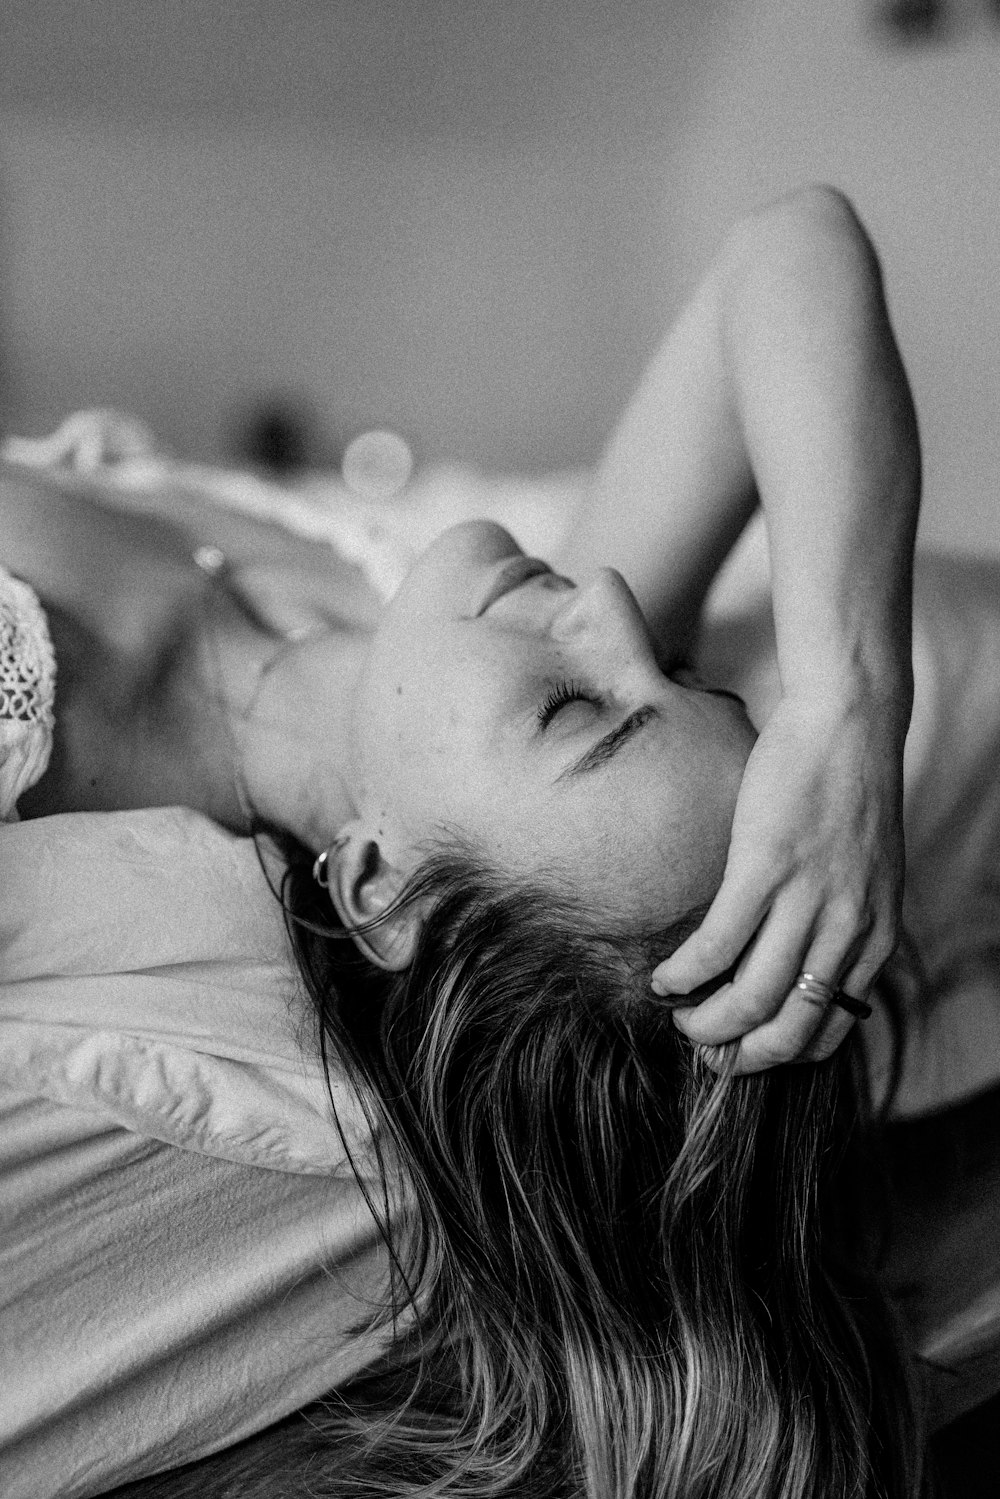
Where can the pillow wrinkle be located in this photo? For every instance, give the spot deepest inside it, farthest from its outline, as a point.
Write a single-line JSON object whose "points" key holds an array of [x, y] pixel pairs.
{"points": [[276, 1117]]}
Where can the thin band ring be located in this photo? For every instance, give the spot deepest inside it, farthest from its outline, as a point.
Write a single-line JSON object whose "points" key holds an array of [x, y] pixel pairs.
{"points": [[818, 992]]}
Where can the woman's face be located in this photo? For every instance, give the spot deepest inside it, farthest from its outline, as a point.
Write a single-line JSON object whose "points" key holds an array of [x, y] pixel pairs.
{"points": [[505, 703]]}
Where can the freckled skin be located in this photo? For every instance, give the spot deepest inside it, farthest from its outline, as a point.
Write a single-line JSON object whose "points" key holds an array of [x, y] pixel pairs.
{"points": [[464, 748]]}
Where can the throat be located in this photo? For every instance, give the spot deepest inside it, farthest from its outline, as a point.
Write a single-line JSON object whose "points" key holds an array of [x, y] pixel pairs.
{"points": [[292, 736]]}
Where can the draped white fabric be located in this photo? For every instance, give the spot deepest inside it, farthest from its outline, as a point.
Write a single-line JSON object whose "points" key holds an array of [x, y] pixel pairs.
{"points": [[184, 1253]]}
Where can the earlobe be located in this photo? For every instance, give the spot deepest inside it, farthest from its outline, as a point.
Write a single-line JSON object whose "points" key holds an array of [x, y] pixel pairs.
{"points": [[364, 887]]}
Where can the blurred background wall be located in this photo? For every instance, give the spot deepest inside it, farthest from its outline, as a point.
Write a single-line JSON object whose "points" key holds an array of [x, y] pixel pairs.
{"points": [[470, 219]]}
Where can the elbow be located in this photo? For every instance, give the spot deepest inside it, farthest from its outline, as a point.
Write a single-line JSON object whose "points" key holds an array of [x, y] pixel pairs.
{"points": [[827, 212], [816, 222], [818, 206]]}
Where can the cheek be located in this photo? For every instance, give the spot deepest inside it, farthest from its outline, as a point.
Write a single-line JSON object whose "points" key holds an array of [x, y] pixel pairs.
{"points": [[419, 755], [444, 708]]}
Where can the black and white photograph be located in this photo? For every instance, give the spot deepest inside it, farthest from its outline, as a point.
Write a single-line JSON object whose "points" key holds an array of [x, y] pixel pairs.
{"points": [[499, 749]]}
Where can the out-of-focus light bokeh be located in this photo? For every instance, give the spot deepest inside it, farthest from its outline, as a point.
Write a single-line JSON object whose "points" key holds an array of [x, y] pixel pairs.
{"points": [[469, 222]]}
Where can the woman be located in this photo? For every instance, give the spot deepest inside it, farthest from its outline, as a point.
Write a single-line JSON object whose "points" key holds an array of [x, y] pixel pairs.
{"points": [[780, 379], [624, 1281]]}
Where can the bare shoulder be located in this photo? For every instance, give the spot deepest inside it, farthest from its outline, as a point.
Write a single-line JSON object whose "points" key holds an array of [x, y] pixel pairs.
{"points": [[120, 560], [117, 574], [153, 650]]}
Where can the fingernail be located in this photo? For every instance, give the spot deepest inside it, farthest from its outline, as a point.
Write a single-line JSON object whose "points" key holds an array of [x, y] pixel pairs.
{"points": [[660, 986]]}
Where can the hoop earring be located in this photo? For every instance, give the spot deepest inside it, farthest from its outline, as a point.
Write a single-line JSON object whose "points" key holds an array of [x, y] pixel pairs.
{"points": [[321, 872]]}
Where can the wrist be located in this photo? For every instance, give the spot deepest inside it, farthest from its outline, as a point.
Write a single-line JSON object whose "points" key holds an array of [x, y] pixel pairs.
{"points": [[860, 662], [840, 693]]}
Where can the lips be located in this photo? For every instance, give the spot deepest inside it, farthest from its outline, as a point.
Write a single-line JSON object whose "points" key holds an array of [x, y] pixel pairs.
{"points": [[511, 575]]}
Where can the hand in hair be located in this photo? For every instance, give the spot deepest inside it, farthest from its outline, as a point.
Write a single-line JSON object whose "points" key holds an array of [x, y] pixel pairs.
{"points": [[813, 883], [822, 429]]}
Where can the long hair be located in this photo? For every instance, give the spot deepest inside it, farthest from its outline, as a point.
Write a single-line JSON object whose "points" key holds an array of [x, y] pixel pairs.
{"points": [[622, 1256], [622, 1275]]}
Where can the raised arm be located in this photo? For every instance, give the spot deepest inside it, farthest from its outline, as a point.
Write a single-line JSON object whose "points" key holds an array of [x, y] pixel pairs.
{"points": [[782, 381]]}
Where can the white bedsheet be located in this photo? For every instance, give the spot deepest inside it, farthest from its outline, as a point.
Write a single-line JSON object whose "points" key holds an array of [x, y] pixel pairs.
{"points": [[170, 1184], [183, 1250]]}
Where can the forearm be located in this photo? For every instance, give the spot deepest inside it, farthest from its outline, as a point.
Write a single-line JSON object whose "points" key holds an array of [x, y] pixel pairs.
{"points": [[780, 379], [830, 436], [814, 414]]}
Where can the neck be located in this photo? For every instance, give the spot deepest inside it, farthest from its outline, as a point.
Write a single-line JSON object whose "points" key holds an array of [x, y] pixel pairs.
{"points": [[292, 737]]}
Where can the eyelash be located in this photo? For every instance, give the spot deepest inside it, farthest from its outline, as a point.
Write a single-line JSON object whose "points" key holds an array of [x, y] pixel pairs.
{"points": [[565, 692]]}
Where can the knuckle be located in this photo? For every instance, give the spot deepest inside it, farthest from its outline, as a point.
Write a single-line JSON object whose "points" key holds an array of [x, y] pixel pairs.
{"points": [[851, 913], [713, 950], [825, 1047], [753, 1009], [714, 1026], [772, 1052], [880, 948], [844, 927]]}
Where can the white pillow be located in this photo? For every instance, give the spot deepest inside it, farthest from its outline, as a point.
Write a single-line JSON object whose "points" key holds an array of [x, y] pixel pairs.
{"points": [[145, 974]]}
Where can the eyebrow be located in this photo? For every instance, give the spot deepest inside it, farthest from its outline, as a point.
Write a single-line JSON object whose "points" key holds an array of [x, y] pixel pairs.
{"points": [[601, 752]]}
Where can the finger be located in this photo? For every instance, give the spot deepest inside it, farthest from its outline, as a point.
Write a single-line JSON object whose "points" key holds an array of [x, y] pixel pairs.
{"points": [[786, 946], [860, 977], [762, 980], [728, 925], [792, 1036], [807, 1022], [762, 997], [835, 1029], [863, 962]]}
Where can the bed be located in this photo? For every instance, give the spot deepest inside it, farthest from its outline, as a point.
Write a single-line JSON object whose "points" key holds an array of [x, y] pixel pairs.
{"points": [[942, 1150]]}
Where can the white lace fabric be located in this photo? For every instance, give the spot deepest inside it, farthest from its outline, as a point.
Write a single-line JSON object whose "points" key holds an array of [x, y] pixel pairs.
{"points": [[27, 692]]}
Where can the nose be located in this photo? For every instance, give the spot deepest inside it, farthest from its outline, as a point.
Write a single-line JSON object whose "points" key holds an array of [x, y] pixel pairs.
{"points": [[603, 614]]}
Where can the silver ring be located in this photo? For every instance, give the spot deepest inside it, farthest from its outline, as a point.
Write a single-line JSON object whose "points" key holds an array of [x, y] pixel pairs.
{"points": [[818, 992]]}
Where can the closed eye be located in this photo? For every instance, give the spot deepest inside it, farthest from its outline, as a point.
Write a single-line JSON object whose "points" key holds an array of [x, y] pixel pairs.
{"points": [[560, 697]]}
